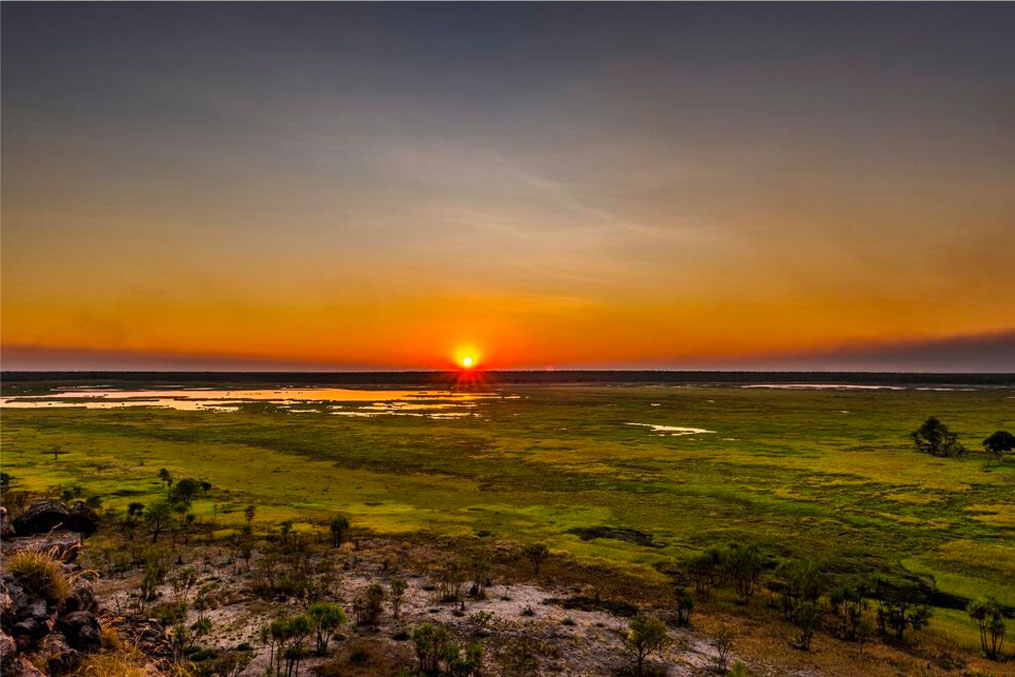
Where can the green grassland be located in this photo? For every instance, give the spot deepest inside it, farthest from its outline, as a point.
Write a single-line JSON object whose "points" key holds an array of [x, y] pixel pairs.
{"points": [[827, 475]]}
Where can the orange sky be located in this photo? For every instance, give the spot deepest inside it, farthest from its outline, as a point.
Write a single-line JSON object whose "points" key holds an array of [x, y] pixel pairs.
{"points": [[540, 197]]}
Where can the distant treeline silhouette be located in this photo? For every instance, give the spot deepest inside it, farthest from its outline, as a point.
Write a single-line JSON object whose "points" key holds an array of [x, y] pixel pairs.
{"points": [[448, 378]]}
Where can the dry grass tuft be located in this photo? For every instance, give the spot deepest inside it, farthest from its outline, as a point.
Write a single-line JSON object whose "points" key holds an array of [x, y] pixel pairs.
{"points": [[40, 574]]}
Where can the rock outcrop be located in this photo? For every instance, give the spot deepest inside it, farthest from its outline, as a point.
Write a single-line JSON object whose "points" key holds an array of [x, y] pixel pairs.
{"points": [[46, 516], [53, 633]]}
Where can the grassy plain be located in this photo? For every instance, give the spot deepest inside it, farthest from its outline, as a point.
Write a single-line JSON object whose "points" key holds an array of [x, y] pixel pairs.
{"points": [[827, 475]]}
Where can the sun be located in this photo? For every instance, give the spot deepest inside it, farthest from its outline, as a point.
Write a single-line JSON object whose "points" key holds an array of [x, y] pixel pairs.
{"points": [[467, 361]]}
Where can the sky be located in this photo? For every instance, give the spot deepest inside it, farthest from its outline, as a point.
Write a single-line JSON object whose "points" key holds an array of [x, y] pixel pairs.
{"points": [[394, 186]]}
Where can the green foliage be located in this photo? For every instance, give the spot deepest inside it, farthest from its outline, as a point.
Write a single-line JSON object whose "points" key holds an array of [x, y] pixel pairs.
{"points": [[647, 635], [933, 437], [990, 621], [339, 526], [802, 582], [437, 653], [398, 587], [368, 606], [683, 605], [185, 490], [723, 643], [744, 565], [785, 469], [537, 554], [900, 606], [806, 616], [327, 617], [156, 517], [998, 444], [432, 643]]}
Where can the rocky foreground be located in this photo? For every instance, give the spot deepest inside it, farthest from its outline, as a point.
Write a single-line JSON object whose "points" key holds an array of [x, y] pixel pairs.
{"points": [[44, 632]]}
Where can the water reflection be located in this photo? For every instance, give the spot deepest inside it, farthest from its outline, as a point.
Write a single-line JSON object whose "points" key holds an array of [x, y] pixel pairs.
{"points": [[343, 401]]}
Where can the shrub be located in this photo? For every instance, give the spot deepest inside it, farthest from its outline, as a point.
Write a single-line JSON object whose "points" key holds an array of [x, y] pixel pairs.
{"points": [[368, 605], [398, 587], [432, 642], [723, 642], [684, 605], [537, 554], [339, 525], [39, 573], [806, 616]]}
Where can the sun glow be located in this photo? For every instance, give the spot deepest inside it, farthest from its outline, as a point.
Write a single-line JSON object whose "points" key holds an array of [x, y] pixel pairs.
{"points": [[467, 362]]}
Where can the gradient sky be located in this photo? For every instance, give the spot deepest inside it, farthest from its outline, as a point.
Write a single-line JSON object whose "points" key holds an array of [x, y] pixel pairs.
{"points": [[603, 185]]}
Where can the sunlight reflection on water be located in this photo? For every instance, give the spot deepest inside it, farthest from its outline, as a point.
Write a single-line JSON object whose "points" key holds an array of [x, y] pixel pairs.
{"points": [[431, 403]]}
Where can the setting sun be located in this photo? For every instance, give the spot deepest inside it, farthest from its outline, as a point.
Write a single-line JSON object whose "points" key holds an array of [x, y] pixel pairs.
{"points": [[467, 362]]}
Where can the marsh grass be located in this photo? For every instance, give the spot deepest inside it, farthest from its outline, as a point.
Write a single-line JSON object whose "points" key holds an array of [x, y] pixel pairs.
{"points": [[786, 469]]}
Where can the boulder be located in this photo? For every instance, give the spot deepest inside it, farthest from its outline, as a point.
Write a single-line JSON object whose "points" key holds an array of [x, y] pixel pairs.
{"points": [[22, 667], [58, 654], [8, 650], [81, 629], [45, 516], [27, 632], [5, 524], [80, 599], [63, 544]]}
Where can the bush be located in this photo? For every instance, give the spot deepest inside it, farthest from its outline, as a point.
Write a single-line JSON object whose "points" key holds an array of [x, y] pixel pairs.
{"points": [[40, 574], [368, 605]]}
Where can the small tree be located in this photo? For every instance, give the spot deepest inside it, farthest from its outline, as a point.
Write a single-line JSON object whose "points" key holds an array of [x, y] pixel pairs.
{"points": [[803, 581], [684, 605], [368, 606], [327, 617], [723, 642], [248, 514], [339, 527], [537, 554], [806, 617], [998, 444], [479, 569], [432, 643], [900, 607], [744, 564], [164, 476], [185, 490], [933, 437], [990, 621], [647, 636], [705, 569], [849, 604], [156, 517], [398, 587]]}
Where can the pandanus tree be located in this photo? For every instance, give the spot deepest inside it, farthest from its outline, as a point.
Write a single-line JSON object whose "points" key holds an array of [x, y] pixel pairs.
{"points": [[339, 527], [990, 622], [327, 617]]}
